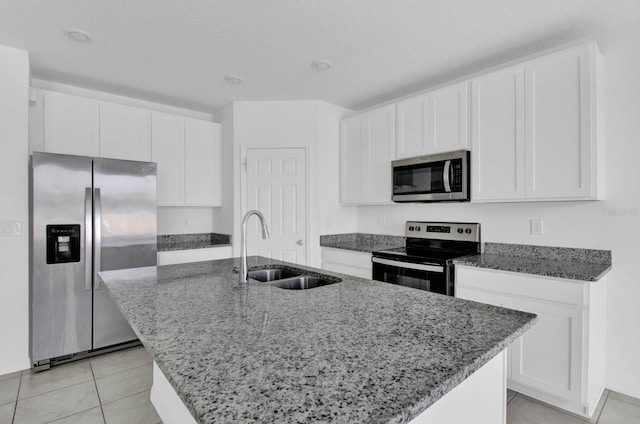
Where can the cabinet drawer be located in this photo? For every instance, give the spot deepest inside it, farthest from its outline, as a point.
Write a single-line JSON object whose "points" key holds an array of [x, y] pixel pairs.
{"points": [[340, 256], [511, 283], [347, 262]]}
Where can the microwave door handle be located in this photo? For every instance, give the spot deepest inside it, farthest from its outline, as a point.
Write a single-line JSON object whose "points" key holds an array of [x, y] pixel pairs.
{"points": [[445, 176]]}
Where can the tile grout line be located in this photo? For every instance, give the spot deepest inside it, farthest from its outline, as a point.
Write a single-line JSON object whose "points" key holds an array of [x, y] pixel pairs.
{"points": [[15, 405], [122, 371], [97, 392]]}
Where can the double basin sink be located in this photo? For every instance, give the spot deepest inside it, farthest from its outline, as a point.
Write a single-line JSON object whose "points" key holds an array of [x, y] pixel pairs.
{"points": [[291, 278]]}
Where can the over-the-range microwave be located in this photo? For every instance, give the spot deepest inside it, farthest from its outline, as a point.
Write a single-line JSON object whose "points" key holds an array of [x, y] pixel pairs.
{"points": [[442, 177]]}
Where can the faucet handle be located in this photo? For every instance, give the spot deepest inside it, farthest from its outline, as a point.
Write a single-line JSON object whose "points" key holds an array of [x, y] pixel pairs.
{"points": [[236, 270]]}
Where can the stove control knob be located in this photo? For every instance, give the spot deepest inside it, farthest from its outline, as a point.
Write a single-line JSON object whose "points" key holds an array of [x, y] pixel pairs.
{"points": [[468, 231], [411, 228], [460, 230], [417, 228]]}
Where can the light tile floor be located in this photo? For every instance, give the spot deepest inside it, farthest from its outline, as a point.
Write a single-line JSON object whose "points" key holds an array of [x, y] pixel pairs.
{"points": [[114, 389], [107, 389]]}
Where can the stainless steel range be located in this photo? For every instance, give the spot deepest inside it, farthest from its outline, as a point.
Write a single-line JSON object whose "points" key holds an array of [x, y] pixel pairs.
{"points": [[425, 262]]}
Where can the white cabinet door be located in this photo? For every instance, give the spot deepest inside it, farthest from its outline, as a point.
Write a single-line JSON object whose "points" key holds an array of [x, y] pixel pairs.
{"points": [[448, 119], [167, 135], [367, 145], [351, 160], [558, 125], [412, 119], [497, 140], [434, 122], [125, 132], [71, 125], [202, 163], [378, 154], [548, 357]]}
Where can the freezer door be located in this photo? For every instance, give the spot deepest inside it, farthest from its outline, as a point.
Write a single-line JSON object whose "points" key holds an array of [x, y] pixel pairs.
{"points": [[125, 207], [60, 294]]}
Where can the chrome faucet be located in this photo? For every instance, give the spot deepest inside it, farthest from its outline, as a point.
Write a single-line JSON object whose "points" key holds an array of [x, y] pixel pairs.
{"points": [[244, 277]]}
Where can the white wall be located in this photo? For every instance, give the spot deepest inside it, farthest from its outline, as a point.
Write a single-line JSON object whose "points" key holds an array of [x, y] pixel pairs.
{"points": [[185, 220], [14, 189], [613, 224], [223, 217], [310, 124]]}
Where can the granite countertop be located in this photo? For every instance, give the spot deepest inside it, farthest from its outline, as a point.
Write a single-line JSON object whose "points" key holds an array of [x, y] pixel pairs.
{"points": [[362, 242], [354, 351], [192, 241], [560, 262]]}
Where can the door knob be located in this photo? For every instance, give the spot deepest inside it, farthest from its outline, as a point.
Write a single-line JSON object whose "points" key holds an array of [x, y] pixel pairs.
{"points": [[300, 242]]}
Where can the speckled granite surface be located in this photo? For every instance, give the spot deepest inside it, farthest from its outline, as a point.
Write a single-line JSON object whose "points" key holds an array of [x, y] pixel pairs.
{"points": [[192, 241], [362, 242], [560, 262], [358, 351]]}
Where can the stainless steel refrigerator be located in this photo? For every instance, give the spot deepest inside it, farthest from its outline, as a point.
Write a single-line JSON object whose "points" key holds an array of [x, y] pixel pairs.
{"points": [[87, 215]]}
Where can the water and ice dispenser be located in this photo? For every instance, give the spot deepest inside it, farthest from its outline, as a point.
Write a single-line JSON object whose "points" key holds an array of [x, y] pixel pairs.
{"points": [[63, 243]]}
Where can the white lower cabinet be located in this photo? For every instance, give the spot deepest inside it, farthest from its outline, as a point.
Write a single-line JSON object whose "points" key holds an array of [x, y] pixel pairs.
{"points": [[347, 262], [171, 257], [561, 359]]}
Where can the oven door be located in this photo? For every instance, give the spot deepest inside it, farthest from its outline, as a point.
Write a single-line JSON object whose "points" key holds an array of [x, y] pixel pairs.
{"points": [[430, 277]]}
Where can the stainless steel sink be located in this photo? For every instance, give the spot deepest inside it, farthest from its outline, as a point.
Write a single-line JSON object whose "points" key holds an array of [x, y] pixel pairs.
{"points": [[271, 274], [290, 278], [305, 282]]}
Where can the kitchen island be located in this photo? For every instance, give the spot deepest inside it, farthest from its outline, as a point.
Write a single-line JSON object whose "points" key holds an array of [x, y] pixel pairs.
{"points": [[355, 351]]}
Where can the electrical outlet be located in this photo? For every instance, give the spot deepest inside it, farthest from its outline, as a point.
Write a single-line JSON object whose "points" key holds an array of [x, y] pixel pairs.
{"points": [[187, 221], [537, 228], [10, 228]]}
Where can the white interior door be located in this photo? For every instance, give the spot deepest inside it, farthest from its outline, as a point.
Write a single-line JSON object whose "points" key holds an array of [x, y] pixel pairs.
{"points": [[276, 186]]}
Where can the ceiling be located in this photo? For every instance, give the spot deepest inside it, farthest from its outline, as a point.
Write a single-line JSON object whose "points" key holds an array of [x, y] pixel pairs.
{"points": [[178, 51]]}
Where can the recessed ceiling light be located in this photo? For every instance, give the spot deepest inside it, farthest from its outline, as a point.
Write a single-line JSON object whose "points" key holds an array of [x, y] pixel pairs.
{"points": [[321, 65], [77, 34], [233, 79]]}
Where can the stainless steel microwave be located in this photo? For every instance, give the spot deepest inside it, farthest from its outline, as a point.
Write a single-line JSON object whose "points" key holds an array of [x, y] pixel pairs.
{"points": [[434, 178]]}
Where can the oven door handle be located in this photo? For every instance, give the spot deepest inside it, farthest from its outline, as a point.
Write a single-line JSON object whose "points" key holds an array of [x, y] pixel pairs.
{"points": [[419, 267]]}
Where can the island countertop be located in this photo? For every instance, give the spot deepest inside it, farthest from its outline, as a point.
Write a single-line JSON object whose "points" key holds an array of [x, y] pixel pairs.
{"points": [[354, 351]]}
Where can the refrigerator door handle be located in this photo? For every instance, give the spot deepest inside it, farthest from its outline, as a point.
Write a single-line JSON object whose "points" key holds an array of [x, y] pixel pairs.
{"points": [[97, 204], [88, 238]]}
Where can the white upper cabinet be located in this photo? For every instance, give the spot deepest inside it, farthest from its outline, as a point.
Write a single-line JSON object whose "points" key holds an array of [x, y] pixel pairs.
{"points": [[497, 140], [202, 163], [434, 122], [536, 131], [367, 145], [125, 132], [560, 125], [71, 124], [188, 151], [448, 119], [167, 132], [188, 154], [412, 127]]}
